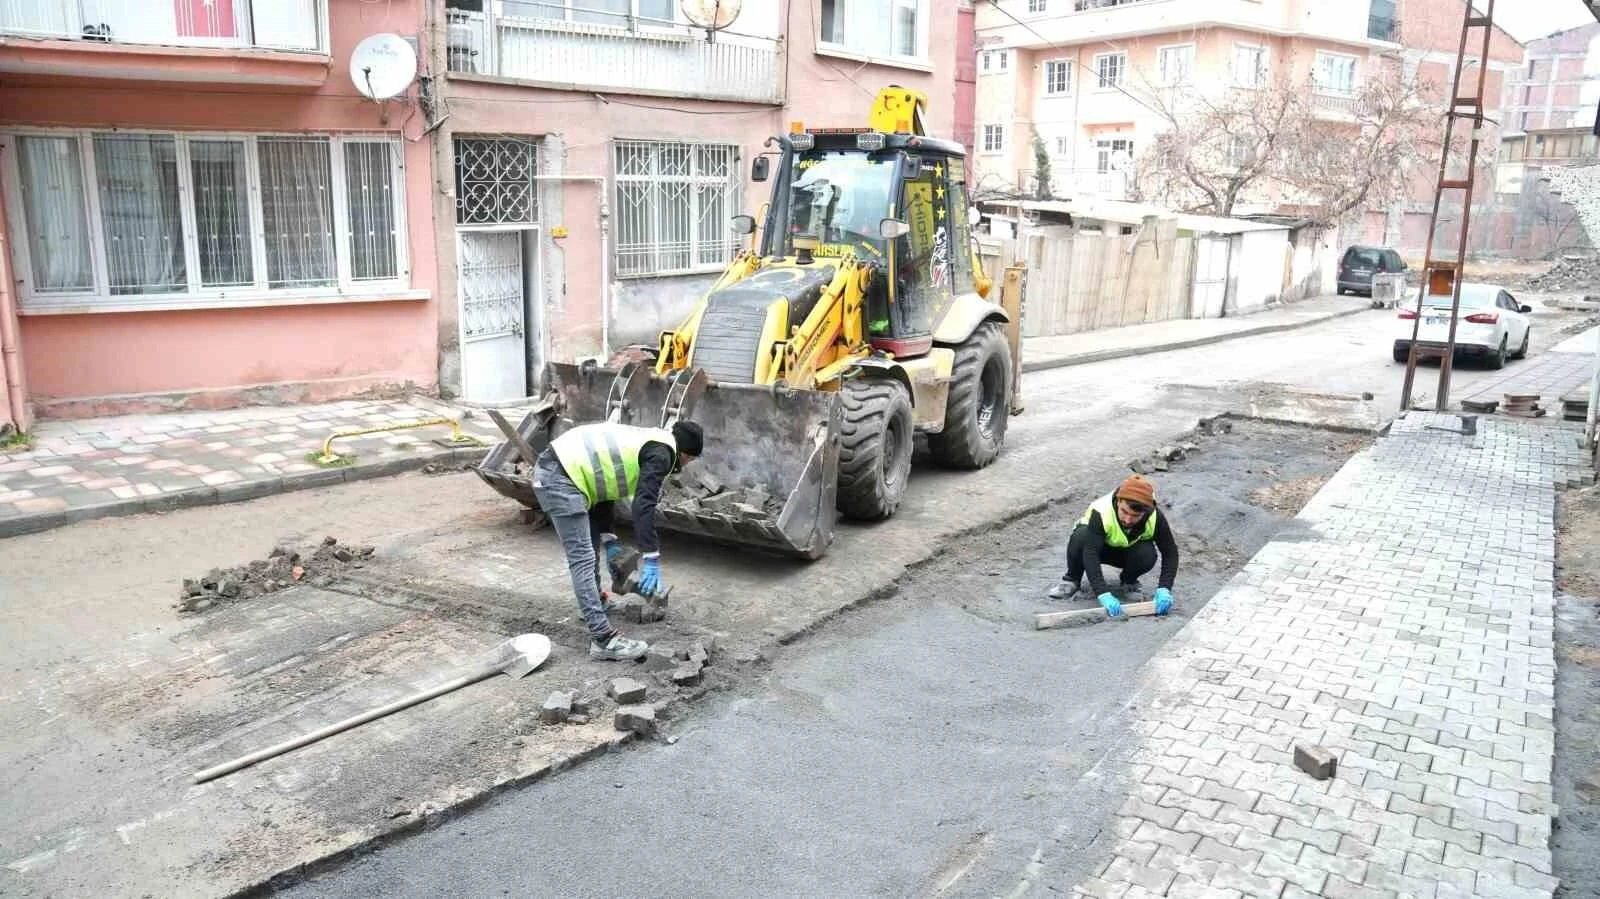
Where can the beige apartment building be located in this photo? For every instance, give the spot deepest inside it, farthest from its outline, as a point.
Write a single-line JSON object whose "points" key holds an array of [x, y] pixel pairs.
{"points": [[1076, 74]]}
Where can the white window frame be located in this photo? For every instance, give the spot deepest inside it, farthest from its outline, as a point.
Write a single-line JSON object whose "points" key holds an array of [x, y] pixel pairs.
{"points": [[1066, 71], [1122, 70], [1263, 65], [258, 293], [999, 144], [921, 60], [1331, 90], [1108, 146], [584, 6], [1063, 146], [733, 182], [994, 62], [1162, 53], [1038, 6]]}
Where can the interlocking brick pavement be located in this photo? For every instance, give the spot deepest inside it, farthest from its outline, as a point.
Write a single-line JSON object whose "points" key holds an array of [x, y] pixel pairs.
{"points": [[75, 470], [1409, 630]]}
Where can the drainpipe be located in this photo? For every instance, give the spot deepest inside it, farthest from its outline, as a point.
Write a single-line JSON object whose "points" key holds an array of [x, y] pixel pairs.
{"points": [[10, 341], [599, 182]]}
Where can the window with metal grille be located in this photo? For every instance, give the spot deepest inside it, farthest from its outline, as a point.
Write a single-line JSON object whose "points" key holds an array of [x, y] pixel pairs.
{"points": [[495, 181], [1057, 76], [164, 220], [674, 203]]}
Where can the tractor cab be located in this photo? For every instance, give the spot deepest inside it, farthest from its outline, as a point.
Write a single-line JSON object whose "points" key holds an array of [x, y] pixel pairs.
{"points": [[896, 202]]}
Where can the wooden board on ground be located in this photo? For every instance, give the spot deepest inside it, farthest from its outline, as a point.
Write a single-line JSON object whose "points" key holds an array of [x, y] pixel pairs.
{"points": [[1075, 617]]}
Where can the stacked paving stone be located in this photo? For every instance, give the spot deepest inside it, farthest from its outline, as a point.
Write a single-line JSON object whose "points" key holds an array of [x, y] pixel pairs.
{"points": [[1410, 634]]}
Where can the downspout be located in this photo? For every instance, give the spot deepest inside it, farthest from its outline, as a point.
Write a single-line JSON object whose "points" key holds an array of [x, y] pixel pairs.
{"points": [[599, 182], [10, 340]]}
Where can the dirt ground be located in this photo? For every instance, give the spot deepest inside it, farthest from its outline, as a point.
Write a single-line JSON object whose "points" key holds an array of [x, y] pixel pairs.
{"points": [[1576, 841]]}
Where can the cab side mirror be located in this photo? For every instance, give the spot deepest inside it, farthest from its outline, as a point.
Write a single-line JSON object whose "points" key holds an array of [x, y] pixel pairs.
{"points": [[889, 229], [744, 224], [760, 168], [1525, 309]]}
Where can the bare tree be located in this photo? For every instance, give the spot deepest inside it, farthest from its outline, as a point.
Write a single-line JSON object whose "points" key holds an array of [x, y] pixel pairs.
{"points": [[1290, 144]]}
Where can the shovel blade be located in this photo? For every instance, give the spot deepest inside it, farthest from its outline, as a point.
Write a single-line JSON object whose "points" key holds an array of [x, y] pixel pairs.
{"points": [[523, 654]]}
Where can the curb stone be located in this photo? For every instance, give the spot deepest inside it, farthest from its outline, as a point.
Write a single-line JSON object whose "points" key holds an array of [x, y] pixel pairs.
{"points": [[233, 493], [1190, 343]]}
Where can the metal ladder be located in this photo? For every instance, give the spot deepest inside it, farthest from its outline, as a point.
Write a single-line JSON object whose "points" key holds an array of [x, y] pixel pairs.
{"points": [[1443, 276]]}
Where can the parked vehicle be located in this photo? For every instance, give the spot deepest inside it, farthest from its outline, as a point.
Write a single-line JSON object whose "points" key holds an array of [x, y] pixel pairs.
{"points": [[1491, 325], [1359, 264]]}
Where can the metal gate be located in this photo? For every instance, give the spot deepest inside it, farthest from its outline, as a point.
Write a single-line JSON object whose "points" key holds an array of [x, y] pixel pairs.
{"points": [[494, 284], [497, 259], [1210, 277]]}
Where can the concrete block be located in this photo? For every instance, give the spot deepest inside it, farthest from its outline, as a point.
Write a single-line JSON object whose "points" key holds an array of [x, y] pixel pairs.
{"points": [[582, 705], [577, 719], [557, 709], [1315, 761], [699, 653], [627, 691], [686, 675], [639, 719]]}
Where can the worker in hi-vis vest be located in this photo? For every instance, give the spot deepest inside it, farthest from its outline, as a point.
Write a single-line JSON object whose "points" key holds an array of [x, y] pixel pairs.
{"points": [[1123, 529], [579, 477]]}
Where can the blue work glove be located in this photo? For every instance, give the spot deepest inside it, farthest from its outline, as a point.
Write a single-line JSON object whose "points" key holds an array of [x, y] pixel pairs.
{"points": [[1108, 601], [650, 574], [613, 550], [1163, 600]]}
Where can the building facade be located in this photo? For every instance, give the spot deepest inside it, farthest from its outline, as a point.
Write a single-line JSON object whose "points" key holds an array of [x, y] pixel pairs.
{"points": [[1075, 78], [590, 154], [201, 210]]}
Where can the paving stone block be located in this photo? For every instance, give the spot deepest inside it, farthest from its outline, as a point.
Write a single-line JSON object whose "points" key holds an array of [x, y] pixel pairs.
{"points": [[1136, 851], [1138, 808], [627, 691], [1150, 832], [557, 708], [1327, 840], [1154, 879], [640, 719]]}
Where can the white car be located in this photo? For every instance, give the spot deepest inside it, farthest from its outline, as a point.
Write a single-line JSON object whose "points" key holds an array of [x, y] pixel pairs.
{"points": [[1491, 325]]}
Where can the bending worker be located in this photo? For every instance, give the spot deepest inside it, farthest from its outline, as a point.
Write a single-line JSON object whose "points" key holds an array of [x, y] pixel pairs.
{"points": [[579, 478], [1123, 529]]}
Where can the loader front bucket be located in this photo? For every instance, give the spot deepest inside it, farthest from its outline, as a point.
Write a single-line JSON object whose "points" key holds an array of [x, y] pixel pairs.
{"points": [[770, 469]]}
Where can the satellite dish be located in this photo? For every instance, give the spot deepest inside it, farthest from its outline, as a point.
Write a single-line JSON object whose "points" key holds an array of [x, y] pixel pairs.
{"points": [[712, 15], [383, 66]]}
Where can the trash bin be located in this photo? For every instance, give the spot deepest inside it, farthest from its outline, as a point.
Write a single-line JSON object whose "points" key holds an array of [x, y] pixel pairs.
{"points": [[1386, 289]]}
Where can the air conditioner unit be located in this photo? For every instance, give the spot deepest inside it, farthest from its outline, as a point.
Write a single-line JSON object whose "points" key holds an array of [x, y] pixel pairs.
{"points": [[464, 43]]}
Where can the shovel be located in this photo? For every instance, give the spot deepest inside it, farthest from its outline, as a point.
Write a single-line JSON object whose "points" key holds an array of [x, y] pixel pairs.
{"points": [[516, 657]]}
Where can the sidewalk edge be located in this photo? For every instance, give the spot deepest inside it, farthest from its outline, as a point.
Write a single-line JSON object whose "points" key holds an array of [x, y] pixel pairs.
{"points": [[1189, 343]]}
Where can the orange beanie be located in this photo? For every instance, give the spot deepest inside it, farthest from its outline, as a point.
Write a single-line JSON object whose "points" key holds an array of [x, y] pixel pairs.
{"points": [[1137, 489]]}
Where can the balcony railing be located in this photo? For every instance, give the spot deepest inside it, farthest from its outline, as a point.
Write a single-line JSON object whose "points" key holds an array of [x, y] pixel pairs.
{"points": [[644, 57], [236, 24]]}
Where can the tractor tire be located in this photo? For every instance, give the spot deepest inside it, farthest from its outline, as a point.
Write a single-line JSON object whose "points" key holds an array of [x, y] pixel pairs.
{"points": [[874, 448], [979, 407]]}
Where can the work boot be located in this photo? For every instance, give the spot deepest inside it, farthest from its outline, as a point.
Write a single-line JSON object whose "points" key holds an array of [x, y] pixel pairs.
{"points": [[618, 649], [1065, 590], [1132, 590]]}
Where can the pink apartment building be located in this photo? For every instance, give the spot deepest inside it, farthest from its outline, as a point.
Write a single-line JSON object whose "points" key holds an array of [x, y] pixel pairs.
{"points": [[1069, 71], [200, 209]]}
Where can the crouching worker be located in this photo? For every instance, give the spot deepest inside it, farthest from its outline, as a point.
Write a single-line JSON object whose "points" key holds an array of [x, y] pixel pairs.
{"points": [[579, 478], [1123, 529]]}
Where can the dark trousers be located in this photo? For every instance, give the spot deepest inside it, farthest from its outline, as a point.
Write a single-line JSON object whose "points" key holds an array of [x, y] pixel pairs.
{"points": [[1134, 561]]}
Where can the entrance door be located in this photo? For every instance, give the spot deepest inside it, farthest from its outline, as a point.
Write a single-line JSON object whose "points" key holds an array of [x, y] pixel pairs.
{"points": [[1210, 277], [494, 284]]}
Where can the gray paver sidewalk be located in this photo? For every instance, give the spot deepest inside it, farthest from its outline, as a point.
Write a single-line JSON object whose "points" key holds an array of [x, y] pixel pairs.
{"points": [[1407, 627], [91, 468]]}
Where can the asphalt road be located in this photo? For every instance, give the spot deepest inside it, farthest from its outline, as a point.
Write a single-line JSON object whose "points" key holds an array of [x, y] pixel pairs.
{"points": [[930, 745]]}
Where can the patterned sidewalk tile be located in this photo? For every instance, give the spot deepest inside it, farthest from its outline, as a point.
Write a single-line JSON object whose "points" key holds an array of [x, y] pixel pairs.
{"points": [[1407, 628], [134, 463]]}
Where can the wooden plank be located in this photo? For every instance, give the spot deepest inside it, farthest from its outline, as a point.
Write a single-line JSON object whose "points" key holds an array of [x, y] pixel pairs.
{"points": [[523, 448], [1092, 615]]}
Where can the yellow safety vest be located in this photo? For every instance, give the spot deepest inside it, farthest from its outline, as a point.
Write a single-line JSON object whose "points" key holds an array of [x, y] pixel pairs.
{"points": [[603, 458], [1115, 537]]}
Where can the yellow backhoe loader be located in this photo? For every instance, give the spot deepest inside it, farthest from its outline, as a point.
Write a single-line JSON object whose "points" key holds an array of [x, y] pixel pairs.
{"points": [[857, 318]]}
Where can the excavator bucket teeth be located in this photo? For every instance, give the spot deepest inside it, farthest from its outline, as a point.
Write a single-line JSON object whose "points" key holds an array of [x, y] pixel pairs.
{"points": [[769, 474]]}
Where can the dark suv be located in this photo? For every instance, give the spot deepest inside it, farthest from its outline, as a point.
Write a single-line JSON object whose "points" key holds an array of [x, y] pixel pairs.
{"points": [[1361, 263]]}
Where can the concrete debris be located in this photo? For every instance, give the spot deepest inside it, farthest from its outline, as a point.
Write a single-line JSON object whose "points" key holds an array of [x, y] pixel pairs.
{"points": [[627, 691], [686, 675], [699, 653], [643, 609], [283, 567], [1316, 761], [639, 719], [1210, 427], [557, 709], [1568, 274], [577, 719], [701, 492], [582, 705]]}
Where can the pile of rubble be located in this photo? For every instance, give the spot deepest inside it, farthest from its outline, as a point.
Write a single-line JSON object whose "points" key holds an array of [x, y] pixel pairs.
{"points": [[634, 711], [282, 568], [695, 492], [1569, 274]]}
